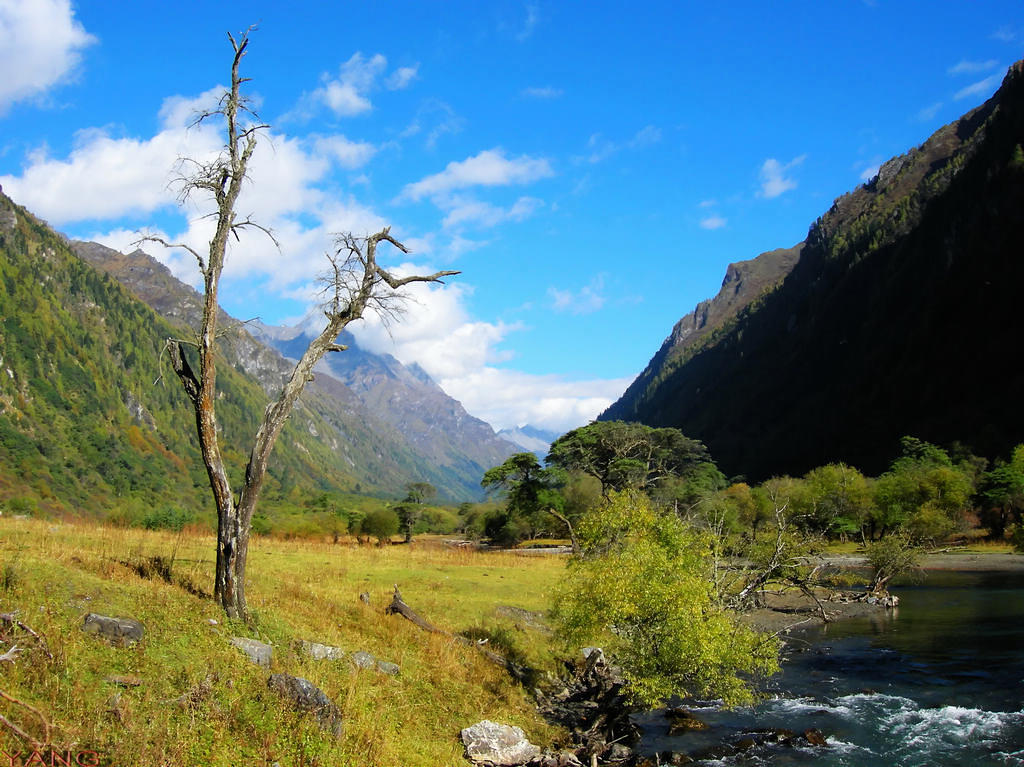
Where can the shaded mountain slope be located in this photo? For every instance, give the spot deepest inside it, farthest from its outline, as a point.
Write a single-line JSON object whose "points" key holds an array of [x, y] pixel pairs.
{"points": [[744, 282], [899, 318]]}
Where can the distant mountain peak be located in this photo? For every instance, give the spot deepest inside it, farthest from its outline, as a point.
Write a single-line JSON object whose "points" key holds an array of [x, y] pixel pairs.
{"points": [[419, 432]]}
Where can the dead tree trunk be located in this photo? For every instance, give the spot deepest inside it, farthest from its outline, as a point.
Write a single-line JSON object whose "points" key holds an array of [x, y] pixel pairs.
{"points": [[354, 284]]}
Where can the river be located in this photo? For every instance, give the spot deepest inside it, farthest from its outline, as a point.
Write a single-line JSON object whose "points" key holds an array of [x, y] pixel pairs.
{"points": [[938, 682]]}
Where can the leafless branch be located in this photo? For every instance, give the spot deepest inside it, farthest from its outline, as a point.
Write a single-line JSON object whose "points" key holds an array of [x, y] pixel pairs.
{"points": [[183, 246], [11, 619], [36, 744], [249, 223]]}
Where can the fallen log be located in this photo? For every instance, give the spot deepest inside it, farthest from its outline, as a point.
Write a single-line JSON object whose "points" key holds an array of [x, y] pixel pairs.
{"points": [[398, 606]]}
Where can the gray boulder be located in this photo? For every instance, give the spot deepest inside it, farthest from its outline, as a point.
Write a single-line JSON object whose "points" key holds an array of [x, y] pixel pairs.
{"points": [[306, 696], [121, 632], [258, 652], [318, 651], [387, 668], [363, 659], [488, 742]]}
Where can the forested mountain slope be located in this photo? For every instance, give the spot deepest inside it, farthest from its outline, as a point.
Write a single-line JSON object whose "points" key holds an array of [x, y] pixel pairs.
{"points": [[393, 420], [88, 420], [900, 317]]}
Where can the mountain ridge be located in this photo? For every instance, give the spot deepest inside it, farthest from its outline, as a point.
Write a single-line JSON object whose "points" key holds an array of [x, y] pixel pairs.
{"points": [[355, 389], [888, 324]]}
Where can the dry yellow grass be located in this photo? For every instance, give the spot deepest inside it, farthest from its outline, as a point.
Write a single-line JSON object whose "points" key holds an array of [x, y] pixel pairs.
{"points": [[53, 574]]}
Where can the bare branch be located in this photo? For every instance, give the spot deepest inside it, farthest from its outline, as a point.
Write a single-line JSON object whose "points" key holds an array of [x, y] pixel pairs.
{"points": [[162, 241], [13, 620], [248, 223], [36, 744], [396, 282]]}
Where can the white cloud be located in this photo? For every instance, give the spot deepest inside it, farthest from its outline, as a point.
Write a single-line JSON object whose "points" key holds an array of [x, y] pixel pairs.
{"points": [[402, 77], [508, 398], [182, 111], [347, 153], [646, 136], [346, 95], [530, 24], [40, 47], [980, 88], [600, 148], [435, 330], [586, 300], [489, 168], [484, 214], [774, 178], [713, 221], [461, 354], [972, 67], [106, 177], [869, 173], [1005, 35], [929, 112], [437, 118], [545, 92]]}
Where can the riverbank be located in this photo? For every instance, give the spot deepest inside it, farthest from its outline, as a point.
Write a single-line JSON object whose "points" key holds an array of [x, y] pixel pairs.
{"points": [[965, 561], [785, 610]]}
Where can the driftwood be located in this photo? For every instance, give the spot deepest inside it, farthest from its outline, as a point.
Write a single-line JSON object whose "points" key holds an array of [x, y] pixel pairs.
{"points": [[10, 619], [398, 606]]}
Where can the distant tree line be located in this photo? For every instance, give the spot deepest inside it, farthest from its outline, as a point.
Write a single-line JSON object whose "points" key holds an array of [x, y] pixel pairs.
{"points": [[667, 549]]}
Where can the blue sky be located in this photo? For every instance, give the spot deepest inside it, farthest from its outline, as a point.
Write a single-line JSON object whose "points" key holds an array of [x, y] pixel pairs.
{"points": [[591, 168]]}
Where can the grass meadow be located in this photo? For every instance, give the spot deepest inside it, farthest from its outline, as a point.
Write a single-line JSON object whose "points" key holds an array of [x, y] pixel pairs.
{"points": [[185, 696]]}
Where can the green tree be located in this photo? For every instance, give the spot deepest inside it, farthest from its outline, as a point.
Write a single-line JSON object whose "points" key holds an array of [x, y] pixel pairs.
{"points": [[922, 494], [889, 558], [627, 455], [411, 508], [642, 590], [380, 524], [1001, 494], [530, 490], [837, 500]]}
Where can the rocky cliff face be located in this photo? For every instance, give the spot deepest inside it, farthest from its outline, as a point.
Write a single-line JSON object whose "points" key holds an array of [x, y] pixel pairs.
{"points": [[898, 318], [381, 415]]}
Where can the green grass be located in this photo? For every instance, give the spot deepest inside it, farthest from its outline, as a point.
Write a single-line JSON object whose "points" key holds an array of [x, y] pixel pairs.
{"points": [[53, 574]]}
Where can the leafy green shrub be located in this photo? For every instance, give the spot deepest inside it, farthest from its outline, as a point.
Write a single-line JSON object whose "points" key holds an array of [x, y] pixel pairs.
{"points": [[380, 524], [642, 591], [167, 518]]}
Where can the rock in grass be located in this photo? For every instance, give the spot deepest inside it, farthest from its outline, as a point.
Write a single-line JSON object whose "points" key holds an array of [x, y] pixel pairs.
{"points": [[121, 632], [306, 696], [363, 659], [258, 652], [488, 742], [318, 651], [387, 668]]}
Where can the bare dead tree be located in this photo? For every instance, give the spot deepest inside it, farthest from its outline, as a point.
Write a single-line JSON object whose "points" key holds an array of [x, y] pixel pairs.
{"points": [[354, 284]]}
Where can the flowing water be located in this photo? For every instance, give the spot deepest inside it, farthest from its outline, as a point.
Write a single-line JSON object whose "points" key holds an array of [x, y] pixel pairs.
{"points": [[938, 682]]}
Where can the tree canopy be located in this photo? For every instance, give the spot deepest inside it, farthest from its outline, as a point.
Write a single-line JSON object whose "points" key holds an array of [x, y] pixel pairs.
{"points": [[643, 590], [627, 455]]}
